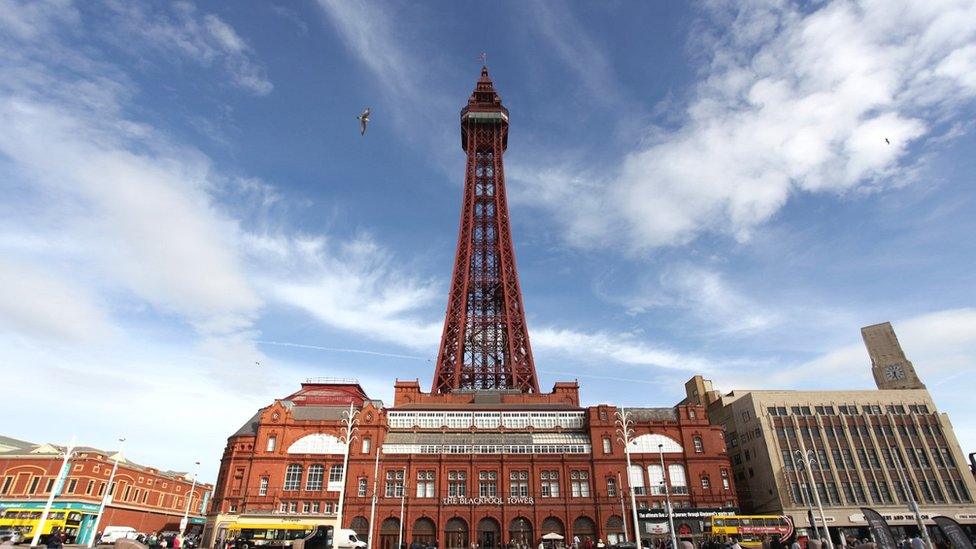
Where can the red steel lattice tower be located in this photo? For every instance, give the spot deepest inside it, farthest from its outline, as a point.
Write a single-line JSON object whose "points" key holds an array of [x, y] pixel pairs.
{"points": [[485, 344]]}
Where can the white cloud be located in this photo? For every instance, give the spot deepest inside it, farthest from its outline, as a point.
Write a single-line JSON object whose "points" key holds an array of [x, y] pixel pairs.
{"points": [[621, 348], [789, 102], [180, 29], [40, 305]]}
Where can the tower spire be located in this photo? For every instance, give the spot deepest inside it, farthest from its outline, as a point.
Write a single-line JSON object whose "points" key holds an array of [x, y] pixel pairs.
{"points": [[485, 343]]}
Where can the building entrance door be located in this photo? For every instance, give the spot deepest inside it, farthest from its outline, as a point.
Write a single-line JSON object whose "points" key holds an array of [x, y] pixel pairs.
{"points": [[489, 534], [389, 533], [456, 534]]}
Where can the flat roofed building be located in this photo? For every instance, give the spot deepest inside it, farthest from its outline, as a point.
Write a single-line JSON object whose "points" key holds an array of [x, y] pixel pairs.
{"points": [[868, 445]]}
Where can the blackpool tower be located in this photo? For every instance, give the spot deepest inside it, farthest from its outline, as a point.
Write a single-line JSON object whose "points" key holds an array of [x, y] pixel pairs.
{"points": [[485, 344]]}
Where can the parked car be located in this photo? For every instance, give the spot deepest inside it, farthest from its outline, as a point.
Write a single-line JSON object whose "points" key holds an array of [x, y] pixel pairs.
{"points": [[15, 536], [111, 534]]}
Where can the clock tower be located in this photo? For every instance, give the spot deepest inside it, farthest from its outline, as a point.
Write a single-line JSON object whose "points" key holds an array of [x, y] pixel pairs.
{"points": [[890, 366]]}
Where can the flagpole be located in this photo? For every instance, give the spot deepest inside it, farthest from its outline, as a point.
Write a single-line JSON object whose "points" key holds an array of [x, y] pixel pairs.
{"points": [[372, 507], [55, 488]]}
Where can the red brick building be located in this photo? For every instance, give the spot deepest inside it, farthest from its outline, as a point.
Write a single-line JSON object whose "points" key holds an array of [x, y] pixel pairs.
{"points": [[145, 498], [485, 456], [489, 466]]}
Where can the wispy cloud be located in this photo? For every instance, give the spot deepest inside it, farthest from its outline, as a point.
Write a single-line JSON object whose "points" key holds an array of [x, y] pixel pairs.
{"points": [[788, 102], [179, 29]]}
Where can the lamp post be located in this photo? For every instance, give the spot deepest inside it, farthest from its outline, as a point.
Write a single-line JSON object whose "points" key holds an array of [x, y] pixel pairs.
{"points": [[912, 504], [55, 489], [372, 506], [623, 510], [624, 432], [807, 461], [403, 499], [349, 422], [667, 497], [189, 500], [108, 493]]}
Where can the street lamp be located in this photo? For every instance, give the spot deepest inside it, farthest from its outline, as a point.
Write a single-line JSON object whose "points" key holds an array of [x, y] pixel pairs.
{"points": [[624, 432], [403, 500], [108, 493], [807, 461], [623, 510], [189, 499], [372, 505], [667, 497], [55, 488], [349, 422], [912, 504]]}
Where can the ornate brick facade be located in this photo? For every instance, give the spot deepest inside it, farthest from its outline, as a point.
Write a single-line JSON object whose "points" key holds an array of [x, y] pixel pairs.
{"points": [[492, 467]]}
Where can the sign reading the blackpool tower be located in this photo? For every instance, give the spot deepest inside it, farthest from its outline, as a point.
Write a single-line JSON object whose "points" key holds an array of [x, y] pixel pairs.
{"points": [[488, 500]]}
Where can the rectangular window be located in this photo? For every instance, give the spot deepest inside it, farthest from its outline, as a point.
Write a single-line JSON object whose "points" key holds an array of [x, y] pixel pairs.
{"points": [[705, 483], [580, 484], [699, 446], [316, 507], [306, 507], [292, 506], [283, 507], [101, 489], [457, 483], [263, 486], [125, 494], [90, 488], [550, 484], [72, 484], [394, 483], [607, 446], [335, 478], [272, 443], [487, 483], [367, 443], [361, 488], [611, 487], [293, 477], [313, 481], [425, 484], [519, 483]]}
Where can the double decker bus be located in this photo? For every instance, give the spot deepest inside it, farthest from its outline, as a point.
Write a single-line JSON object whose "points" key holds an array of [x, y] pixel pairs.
{"points": [[751, 529], [276, 534], [26, 520]]}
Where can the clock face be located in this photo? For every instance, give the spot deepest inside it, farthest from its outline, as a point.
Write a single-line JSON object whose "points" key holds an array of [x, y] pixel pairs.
{"points": [[893, 372]]}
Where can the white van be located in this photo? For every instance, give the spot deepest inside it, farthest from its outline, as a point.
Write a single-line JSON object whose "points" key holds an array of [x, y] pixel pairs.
{"points": [[345, 538], [111, 534]]}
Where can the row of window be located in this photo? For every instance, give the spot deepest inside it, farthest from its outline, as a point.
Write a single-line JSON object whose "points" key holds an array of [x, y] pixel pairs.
{"points": [[130, 494], [486, 449], [854, 492], [846, 409], [677, 481], [485, 420], [457, 484], [313, 478], [837, 431], [843, 458]]}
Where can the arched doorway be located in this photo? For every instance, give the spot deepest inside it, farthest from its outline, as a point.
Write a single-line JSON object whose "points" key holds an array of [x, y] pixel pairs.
{"points": [[424, 531], [489, 534], [389, 533], [520, 533], [361, 526], [456, 534], [615, 530], [552, 525], [584, 529]]}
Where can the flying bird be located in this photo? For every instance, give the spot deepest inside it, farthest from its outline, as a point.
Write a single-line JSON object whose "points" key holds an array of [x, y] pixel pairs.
{"points": [[886, 141], [363, 120]]}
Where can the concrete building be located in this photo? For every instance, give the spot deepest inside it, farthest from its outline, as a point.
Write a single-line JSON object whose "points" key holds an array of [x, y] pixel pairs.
{"points": [[143, 497], [867, 445]]}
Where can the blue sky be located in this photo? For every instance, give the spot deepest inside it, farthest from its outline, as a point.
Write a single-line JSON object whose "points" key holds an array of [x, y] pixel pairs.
{"points": [[192, 224]]}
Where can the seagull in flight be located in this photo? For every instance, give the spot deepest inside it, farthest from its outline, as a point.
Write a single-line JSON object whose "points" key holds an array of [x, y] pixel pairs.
{"points": [[363, 120], [886, 141]]}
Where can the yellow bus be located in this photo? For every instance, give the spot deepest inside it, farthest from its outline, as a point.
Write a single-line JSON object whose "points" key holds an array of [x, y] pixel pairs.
{"points": [[271, 534], [25, 521], [751, 529]]}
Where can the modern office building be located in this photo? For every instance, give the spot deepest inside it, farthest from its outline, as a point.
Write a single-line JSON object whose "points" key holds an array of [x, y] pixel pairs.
{"points": [[865, 447]]}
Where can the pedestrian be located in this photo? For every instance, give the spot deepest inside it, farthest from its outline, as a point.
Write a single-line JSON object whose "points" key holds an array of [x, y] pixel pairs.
{"points": [[54, 541], [795, 544], [735, 544]]}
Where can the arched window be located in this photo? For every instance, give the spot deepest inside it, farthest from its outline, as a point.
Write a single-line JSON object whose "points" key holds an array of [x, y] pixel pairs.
{"points": [[679, 483], [313, 481], [699, 446], [706, 482], [318, 443], [649, 444], [655, 476], [293, 477], [635, 475]]}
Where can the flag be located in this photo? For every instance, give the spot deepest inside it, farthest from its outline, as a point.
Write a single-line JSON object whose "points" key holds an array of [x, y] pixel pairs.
{"points": [[879, 529], [954, 532]]}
